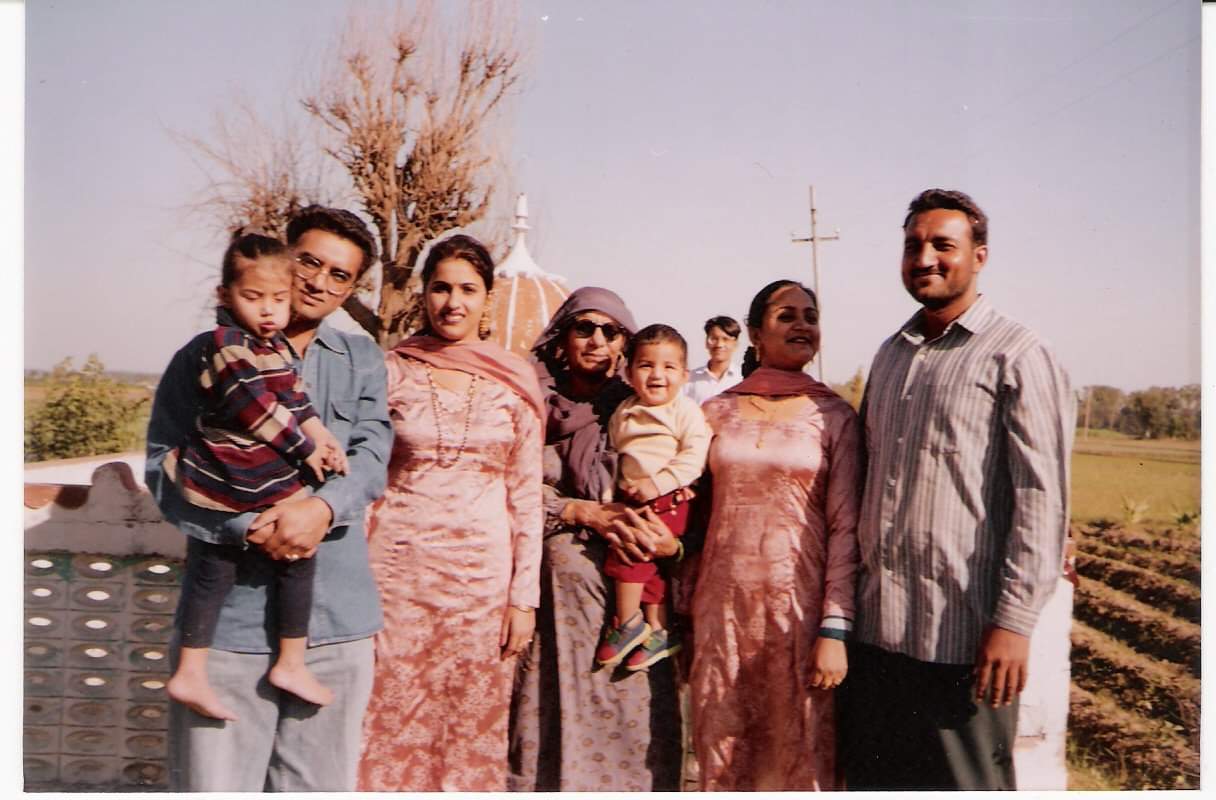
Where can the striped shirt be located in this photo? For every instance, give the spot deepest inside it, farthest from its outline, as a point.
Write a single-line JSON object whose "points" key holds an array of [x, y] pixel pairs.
{"points": [[966, 499], [247, 445]]}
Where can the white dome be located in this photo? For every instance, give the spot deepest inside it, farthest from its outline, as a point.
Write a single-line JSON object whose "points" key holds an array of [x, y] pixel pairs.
{"points": [[525, 296]]}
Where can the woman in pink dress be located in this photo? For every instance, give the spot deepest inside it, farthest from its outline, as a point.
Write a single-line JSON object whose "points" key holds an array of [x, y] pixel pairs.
{"points": [[454, 543], [774, 585]]}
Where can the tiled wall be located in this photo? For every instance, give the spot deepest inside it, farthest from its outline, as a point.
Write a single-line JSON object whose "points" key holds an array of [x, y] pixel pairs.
{"points": [[96, 661]]}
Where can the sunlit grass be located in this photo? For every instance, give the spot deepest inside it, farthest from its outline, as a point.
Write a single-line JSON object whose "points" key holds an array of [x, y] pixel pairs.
{"points": [[1164, 488]]}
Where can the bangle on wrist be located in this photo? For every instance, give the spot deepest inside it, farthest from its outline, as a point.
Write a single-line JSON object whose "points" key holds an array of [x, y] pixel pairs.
{"points": [[679, 554], [835, 626], [525, 609]]}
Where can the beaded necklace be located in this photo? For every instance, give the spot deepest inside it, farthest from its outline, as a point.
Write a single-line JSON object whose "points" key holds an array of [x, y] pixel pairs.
{"points": [[468, 415]]}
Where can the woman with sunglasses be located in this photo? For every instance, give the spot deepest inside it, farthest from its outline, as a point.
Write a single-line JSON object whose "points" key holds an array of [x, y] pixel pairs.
{"points": [[774, 592], [573, 726], [454, 543]]}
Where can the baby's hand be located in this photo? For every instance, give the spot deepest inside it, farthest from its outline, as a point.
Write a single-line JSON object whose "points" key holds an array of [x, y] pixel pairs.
{"points": [[642, 491], [327, 454], [333, 456], [316, 463], [334, 460]]}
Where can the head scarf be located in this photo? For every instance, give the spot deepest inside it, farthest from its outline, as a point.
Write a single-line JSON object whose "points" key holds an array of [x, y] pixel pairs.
{"points": [[769, 382], [578, 428], [487, 359], [588, 298]]}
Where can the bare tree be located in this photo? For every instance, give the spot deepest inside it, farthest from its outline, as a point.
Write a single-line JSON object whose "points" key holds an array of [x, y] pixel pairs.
{"points": [[258, 174], [412, 130]]}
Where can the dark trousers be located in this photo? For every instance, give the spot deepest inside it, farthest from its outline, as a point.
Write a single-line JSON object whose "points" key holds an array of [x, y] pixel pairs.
{"points": [[211, 571], [909, 724]]}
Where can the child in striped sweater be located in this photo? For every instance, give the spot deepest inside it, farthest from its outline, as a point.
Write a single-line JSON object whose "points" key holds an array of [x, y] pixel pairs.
{"points": [[257, 443]]}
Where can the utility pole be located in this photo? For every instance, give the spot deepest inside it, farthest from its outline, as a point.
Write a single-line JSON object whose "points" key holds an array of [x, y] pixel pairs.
{"points": [[815, 239]]}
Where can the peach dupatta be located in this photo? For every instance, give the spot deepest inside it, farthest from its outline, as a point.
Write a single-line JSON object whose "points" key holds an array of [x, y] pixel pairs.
{"points": [[487, 359]]}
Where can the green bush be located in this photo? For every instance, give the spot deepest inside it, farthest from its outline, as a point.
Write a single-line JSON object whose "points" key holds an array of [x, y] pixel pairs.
{"points": [[85, 413]]}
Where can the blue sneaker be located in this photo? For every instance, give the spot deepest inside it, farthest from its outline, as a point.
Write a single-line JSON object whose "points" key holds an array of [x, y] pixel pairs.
{"points": [[658, 646], [616, 642]]}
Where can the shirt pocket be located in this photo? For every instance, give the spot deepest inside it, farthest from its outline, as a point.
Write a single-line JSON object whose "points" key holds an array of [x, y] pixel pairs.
{"points": [[341, 419], [963, 418]]}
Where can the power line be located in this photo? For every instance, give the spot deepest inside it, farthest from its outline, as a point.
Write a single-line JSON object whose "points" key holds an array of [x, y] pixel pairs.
{"points": [[1049, 115], [1034, 84]]}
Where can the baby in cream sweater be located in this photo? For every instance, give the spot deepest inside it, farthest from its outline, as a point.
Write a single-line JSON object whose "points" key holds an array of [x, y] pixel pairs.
{"points": [[662, 440]]}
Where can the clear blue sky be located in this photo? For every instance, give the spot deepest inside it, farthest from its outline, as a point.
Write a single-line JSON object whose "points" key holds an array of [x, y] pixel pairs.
{"points": [[666, 151]]}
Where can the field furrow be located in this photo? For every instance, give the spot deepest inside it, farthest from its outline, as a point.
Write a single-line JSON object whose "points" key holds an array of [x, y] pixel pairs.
{"points": [[1174, 565], [1144, 754], [1167, 594], [1168, 540], [1149, 630], [1148, 686]]}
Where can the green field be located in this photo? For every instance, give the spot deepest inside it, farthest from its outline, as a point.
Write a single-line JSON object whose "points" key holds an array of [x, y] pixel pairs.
{"points": [[1162, 476], [1134, 706]]}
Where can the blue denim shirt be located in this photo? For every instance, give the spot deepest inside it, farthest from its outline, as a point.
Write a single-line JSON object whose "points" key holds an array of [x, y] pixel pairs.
{"points": [[345, 378]]}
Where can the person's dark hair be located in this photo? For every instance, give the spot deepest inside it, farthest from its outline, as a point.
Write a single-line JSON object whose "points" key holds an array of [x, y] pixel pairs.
{"points": [[728, 325], [247, 247], [656, 334], [755, 316], [339, 222], [951, 200], [465, 248]]}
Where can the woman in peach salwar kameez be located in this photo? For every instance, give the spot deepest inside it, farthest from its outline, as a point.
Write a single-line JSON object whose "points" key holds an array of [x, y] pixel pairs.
{"points": [[774, 586], [454, 543]]}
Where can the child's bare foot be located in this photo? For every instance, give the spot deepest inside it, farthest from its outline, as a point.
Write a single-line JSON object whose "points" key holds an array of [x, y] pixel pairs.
{"points": [[194, 692], [300, 682]]}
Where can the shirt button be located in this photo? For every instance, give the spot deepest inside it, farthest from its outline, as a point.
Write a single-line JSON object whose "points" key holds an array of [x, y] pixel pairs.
{"points": [[899, 440]]}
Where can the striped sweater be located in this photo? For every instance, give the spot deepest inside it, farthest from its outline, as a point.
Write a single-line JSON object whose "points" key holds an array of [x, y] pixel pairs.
{"points": [[247, 444]]}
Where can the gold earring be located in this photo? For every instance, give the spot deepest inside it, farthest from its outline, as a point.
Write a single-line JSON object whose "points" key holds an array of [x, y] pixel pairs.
{"points": [[483, 324]]}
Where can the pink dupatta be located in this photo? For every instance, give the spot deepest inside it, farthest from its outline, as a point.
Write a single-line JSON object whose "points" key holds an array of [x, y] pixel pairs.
{"points": [[769, 382], [487, 359]]}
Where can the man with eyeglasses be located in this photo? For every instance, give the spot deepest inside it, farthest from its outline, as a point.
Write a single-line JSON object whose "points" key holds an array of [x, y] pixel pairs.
{"points": [[280, 742]]}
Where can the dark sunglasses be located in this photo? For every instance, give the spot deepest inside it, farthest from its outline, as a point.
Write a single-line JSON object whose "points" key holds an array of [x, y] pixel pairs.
{"points": [[585, 329]]}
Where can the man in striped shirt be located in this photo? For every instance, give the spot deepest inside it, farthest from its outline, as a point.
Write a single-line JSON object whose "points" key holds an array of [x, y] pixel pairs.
{"points": [[969, 421]]}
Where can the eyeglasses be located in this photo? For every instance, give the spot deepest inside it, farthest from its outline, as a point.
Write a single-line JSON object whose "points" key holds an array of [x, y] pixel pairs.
{"points": [[585, 329], [310, 267]]}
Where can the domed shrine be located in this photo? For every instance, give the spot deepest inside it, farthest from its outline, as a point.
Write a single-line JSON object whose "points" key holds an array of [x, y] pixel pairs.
{"points": [[525, 296]]}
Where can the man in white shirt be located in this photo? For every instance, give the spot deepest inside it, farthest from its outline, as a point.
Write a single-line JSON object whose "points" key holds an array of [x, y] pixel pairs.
{"points": [[721, 339]]}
